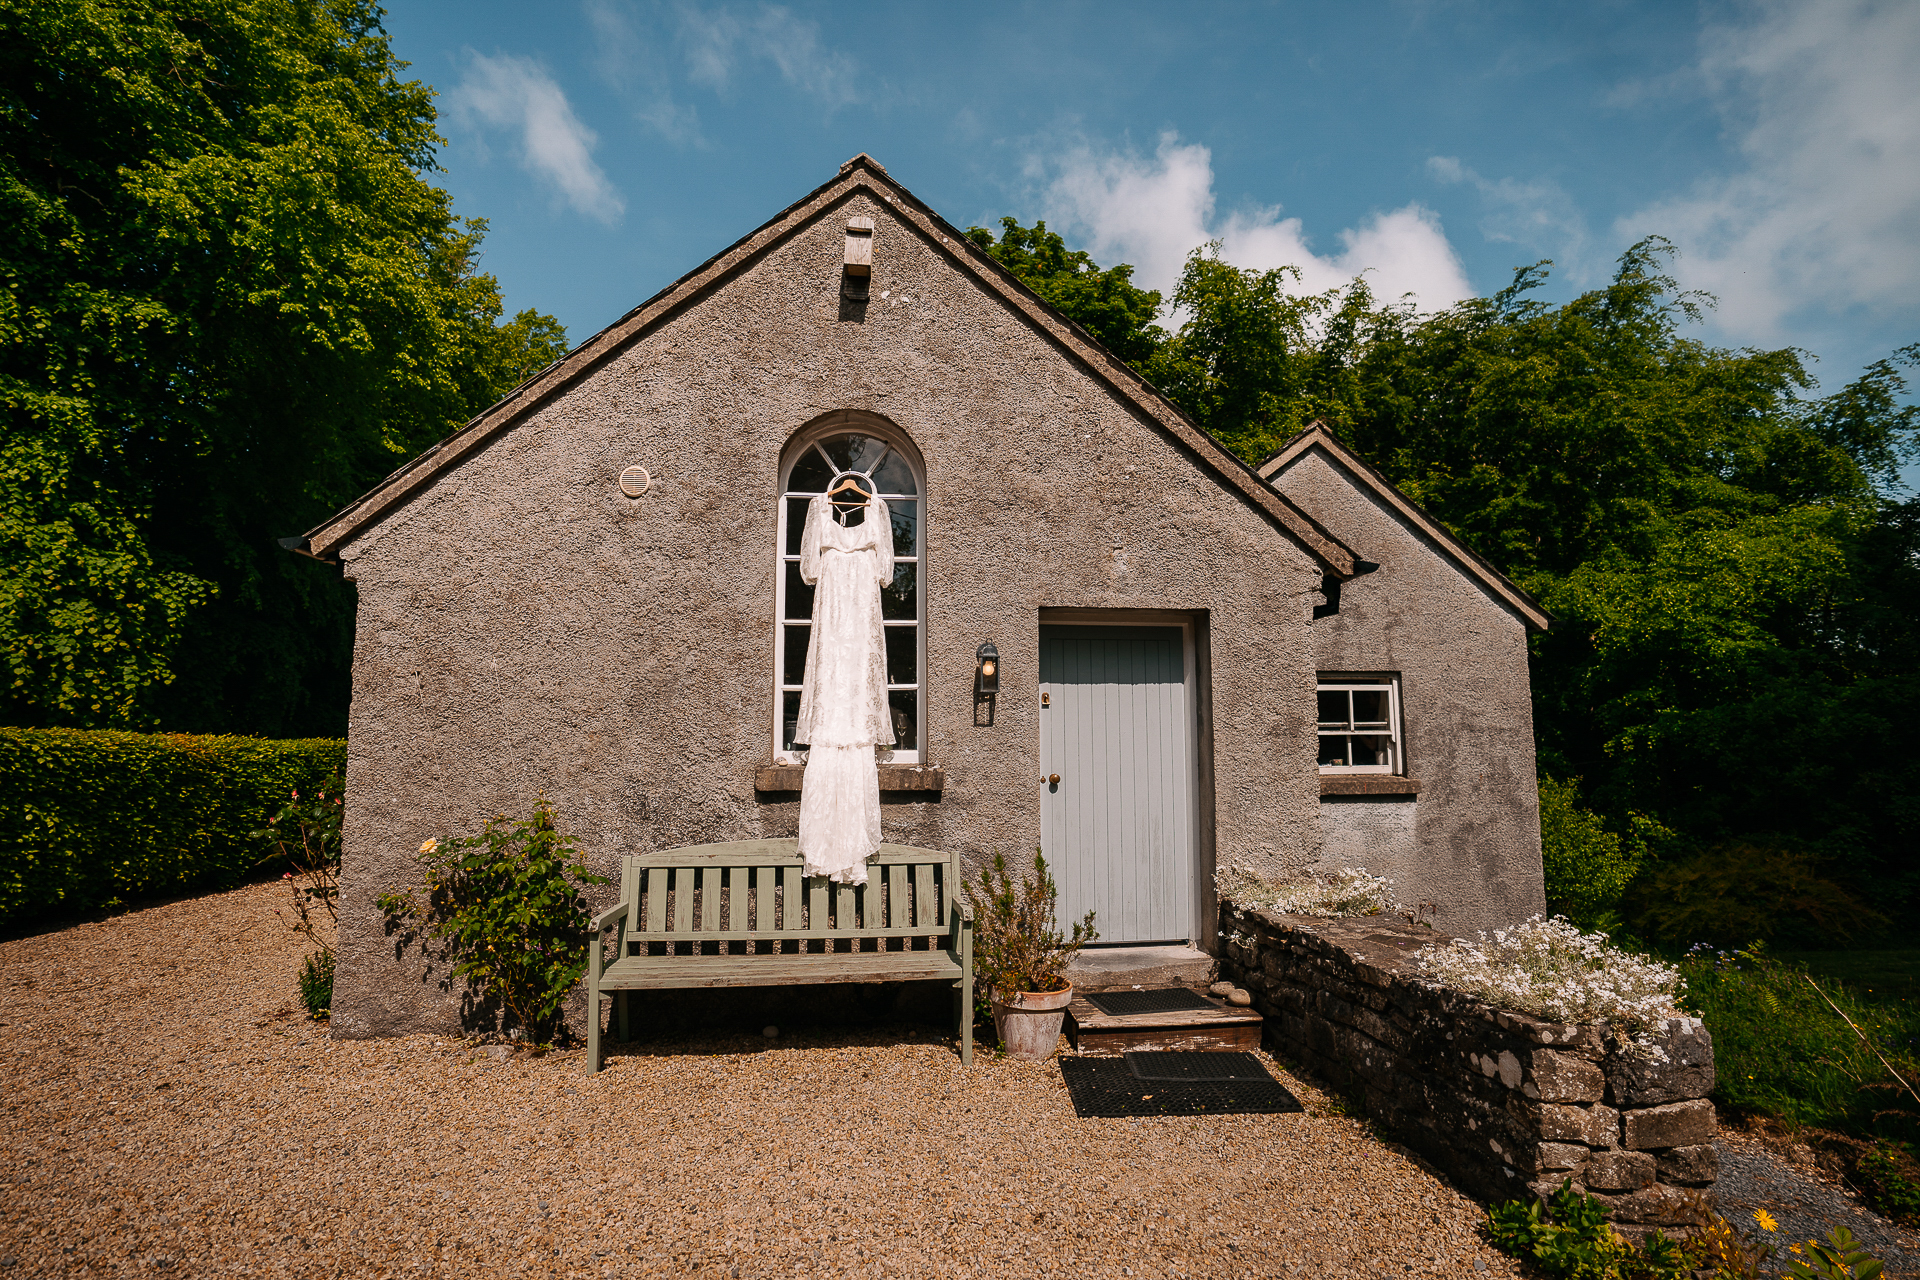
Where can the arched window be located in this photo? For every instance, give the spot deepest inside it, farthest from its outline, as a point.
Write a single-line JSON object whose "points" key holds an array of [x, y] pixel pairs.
{"points": [[884, 463]]}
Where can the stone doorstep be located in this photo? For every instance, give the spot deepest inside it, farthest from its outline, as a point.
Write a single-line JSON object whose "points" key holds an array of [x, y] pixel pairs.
{"points": [[1121, 968]]}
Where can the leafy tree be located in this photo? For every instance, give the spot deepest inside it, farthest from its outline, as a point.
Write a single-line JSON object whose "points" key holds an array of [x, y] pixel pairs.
{"points": [[232, 302], [1241, 364], [1587, 866], [1106, 303]]}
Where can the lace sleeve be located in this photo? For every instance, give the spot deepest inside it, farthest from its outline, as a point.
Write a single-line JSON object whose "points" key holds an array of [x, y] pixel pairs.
{"points": [[883, 549], [810, 541]]}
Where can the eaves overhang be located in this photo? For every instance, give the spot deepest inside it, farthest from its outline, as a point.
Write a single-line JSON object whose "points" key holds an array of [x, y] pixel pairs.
{"points": [[1318, 436]]}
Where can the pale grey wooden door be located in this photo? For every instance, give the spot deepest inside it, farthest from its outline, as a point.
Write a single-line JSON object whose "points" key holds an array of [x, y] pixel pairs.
{"points": [[1118, 828]]}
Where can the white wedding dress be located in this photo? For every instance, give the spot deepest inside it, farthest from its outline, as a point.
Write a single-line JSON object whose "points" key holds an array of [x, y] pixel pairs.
{"points": [[843, 704]]}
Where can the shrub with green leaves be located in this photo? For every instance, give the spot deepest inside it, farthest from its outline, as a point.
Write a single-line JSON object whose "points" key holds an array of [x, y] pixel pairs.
{"points": [[1839, 1257], [92, 819], [1892, 1176], [506, 908], [1587, 866], [1570, 1239], [1016, 946]]}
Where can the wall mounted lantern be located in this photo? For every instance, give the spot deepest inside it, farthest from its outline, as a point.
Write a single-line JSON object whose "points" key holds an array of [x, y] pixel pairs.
{"points": [[986, 671]]}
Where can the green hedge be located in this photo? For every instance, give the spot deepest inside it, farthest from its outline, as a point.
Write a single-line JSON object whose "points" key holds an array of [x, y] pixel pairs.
{"points": [[90, 819]]}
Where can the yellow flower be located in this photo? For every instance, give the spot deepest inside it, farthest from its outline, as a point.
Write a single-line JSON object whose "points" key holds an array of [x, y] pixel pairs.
{"points": [[430, 845], [1766, 1220]]}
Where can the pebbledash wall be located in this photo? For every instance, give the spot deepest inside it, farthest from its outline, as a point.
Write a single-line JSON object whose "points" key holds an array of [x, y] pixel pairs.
{"points": [[1502, 1103]]}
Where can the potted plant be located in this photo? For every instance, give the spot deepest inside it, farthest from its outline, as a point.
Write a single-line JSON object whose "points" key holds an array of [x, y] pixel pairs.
{"points": [[1020, 957]]}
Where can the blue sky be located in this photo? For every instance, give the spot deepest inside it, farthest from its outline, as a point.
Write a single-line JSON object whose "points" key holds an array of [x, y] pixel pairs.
{"points": [[614, 144]]}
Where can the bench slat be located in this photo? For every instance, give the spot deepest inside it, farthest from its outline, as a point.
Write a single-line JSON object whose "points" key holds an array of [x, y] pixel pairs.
{"points": [[924, 915], [817, 921], [896, 896], [769, 971], [682, 899], [656, 887], [762, 897]]}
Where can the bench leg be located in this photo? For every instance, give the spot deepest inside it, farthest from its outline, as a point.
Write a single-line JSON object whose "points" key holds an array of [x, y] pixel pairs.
{"points": [[963, 1013], [620, 1003], [593, 1029]]}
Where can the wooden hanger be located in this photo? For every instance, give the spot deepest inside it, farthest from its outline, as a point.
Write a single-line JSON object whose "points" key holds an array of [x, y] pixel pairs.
{"points": [[842, 487]]}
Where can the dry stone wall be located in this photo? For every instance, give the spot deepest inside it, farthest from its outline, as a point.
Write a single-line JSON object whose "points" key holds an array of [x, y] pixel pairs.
{"points": [[1503, 1103]]}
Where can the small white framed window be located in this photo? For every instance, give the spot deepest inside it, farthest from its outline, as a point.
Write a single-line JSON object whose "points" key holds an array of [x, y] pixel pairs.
{"points": [[1360, 724], [888, 469]]}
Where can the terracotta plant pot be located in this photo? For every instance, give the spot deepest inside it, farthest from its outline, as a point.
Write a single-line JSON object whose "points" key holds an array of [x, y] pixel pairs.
{"points": [[1029, 1024]]}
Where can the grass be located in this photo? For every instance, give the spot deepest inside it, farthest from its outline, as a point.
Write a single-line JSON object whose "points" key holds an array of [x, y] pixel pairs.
{"points": [[1781, 1049]]}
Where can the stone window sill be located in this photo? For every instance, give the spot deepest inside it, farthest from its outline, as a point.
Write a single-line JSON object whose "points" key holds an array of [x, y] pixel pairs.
{"points": [[1367, 784], [893, 777]]}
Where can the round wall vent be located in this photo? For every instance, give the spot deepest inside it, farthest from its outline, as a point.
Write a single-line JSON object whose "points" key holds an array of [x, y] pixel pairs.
{"points": [[635, 481]]}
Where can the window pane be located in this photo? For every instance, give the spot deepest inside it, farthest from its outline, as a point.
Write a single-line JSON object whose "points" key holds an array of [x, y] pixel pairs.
{"points": [[799, 594], [853, 453], [903, 655], [904, 703], [1371, 748], [811, 474], [1333, 749], [789, 716], [1370, 707], [793, 666], [905, 518], [894, 475], [897, 599], [796, 524], [1333, 709]]}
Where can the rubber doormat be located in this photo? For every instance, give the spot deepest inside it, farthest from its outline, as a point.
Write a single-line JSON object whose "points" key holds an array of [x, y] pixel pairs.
{"points": [[1118, 1004], [1160, 1065], [1107, 1087]]}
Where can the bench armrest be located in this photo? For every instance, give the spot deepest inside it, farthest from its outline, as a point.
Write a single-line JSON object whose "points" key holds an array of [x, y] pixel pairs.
{"points": [[609, 916]]}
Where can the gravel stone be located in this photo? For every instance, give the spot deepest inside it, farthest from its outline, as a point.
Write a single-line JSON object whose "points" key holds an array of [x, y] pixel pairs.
{"points": [[165, 1103]]}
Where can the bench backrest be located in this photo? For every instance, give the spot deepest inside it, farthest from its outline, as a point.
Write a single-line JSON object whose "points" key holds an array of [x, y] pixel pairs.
{"points": [[753, 890]]}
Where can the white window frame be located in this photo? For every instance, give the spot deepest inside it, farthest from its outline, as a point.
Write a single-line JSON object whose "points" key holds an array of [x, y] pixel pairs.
{"points": [[800, 447], [1333, 682]]}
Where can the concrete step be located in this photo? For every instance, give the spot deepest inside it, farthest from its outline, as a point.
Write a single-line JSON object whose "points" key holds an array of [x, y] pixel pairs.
{"points": [[1117, 968]]}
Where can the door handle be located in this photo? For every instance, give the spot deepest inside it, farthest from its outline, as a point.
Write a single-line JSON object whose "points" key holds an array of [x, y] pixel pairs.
{"points": [[1052, 779]]}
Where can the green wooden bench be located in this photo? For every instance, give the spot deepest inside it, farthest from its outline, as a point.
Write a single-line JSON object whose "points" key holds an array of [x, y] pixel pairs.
{"points": [[743, 915]]}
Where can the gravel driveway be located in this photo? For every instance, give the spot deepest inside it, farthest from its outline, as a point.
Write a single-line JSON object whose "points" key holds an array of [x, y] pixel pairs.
{"points": [[167, 1111]]}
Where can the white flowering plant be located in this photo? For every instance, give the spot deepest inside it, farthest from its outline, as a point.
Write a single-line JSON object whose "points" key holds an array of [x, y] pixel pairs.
{"points": [[1549, 968], [1349, 891]]}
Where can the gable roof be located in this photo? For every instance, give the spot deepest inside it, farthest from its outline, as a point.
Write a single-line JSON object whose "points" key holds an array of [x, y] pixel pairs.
{"points": [[1318, 436], [862, 173]]}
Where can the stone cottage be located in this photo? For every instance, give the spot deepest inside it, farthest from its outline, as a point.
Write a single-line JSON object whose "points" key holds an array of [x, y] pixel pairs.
{"points": [[591, 590]]}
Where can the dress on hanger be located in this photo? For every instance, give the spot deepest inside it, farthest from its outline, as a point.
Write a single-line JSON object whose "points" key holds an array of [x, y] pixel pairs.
{"points": [[843, 703]]}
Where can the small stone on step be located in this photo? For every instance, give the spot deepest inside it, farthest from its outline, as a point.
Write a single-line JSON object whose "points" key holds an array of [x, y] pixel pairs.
{"points": [[1239, 998], [770, 1031], [1220, 989]]}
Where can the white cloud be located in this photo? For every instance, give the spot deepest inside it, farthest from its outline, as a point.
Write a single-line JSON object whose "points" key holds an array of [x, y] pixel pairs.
{"points": [[631, 63], [1154, 212], [516, 94], [717, 42], [1539, 216], [1825, 216]]}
